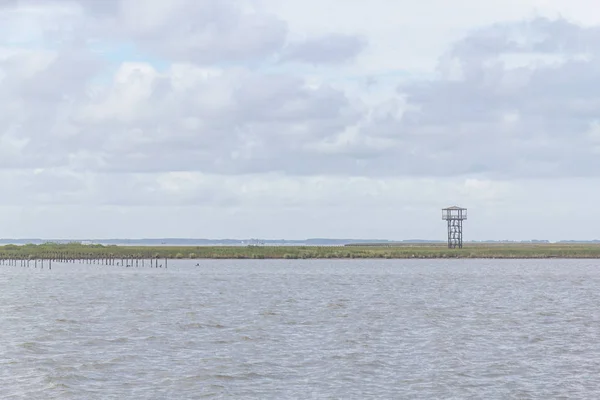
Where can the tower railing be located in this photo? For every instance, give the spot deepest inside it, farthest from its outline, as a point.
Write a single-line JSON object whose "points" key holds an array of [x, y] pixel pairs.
{"points": [[454, 213]]}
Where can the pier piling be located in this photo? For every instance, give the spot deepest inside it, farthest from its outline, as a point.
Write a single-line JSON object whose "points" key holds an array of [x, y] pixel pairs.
{"points": [[131, 261]]}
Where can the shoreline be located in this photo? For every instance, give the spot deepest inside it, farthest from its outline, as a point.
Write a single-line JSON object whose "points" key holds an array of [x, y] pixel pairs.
{"points": [[409, 251]]}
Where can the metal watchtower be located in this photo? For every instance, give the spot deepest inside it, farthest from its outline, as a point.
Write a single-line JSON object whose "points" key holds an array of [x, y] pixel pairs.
{"points": [[455, 216]]}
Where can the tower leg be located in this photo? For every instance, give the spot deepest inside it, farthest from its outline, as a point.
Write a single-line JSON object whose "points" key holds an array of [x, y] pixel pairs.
{"points": [[455, 238]]}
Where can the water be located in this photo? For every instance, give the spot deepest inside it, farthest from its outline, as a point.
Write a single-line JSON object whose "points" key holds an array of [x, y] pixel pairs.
{"points": [[410, 329]]}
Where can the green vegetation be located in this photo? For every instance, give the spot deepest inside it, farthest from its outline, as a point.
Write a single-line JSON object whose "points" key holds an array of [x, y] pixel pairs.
{"points": [[80, 251]]}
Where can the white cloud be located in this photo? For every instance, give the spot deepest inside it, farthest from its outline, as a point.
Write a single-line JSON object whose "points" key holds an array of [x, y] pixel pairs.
{"points": [[265, 118]]}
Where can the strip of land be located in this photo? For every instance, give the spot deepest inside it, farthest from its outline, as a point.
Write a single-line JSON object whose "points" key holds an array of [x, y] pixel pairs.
{"points": [[426, 251]]}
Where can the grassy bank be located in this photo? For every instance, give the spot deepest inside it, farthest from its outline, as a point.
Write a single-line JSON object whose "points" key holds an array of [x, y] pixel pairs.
{"points": [[302, 252]]}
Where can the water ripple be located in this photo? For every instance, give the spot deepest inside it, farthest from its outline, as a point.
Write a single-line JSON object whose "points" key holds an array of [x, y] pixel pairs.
{"points": [[260, 329]]}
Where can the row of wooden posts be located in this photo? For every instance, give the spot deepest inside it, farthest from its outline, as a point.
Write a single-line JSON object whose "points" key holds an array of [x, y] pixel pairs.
{"points": [[129, 262]]}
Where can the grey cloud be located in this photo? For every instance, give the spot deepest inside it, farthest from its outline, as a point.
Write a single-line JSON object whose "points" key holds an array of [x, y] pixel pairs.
{"points": [[65, 78], [268, 120], [279, 98], [333, 48], [458, 127], [245, 121], [261, 122], [539, 35], [40, 95], [96, 7], [202, 31], [199, 31]]}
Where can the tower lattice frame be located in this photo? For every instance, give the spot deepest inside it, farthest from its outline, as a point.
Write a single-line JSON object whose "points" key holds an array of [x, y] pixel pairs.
{"points": [[454, 216]]}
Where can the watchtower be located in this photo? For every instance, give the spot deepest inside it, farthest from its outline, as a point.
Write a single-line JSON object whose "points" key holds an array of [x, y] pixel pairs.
{"points": [[455, 216]]}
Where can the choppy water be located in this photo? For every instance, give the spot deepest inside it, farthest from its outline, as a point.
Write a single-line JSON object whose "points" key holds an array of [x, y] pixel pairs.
{"points": [[413, 329]]}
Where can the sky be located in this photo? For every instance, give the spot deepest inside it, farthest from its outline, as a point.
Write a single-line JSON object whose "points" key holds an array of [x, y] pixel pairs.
{"points": [[293, 119]]}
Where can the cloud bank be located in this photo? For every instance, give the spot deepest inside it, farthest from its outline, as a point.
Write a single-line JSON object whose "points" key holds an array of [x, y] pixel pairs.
{"points": [[227, 118]]}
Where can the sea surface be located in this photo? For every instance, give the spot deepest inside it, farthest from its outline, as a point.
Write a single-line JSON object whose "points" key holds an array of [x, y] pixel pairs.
{"points": [[302, 329]]}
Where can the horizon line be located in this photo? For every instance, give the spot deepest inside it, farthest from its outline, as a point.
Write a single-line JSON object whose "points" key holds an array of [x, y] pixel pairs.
{"points": [[348, 240]]}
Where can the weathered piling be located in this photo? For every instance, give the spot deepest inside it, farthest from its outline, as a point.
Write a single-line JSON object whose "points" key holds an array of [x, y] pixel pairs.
{"points": [[133, 261]]}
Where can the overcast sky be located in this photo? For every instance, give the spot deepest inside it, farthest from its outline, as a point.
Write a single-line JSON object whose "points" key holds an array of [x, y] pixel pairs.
{"points": [[293, 119]]}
